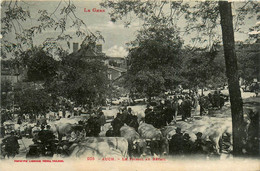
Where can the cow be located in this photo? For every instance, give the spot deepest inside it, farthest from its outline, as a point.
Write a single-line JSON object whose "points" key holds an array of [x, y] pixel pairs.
{"points": [[66, 129], [168, 131], [136, 145], [100, 147], [65, 126], [158, 144]]}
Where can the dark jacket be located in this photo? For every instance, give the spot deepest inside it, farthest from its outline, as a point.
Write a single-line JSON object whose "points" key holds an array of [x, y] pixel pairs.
{"points": [[117, 123], [175, 144]]}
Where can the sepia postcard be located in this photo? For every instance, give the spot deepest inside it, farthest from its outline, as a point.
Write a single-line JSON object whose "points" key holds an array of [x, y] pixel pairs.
{"points": [[130, 85]]}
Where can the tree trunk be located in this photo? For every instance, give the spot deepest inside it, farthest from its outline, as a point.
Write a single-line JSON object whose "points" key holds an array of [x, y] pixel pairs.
{"points": [[232, 75]]}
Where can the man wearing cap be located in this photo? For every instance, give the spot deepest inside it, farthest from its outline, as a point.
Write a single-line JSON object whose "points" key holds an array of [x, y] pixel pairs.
{"points": [[175, 144]]}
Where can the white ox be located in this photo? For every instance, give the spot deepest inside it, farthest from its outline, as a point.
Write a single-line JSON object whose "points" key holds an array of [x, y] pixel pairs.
{"points": [[159, 144], [100, 147], [64, 126], [134, 140]]}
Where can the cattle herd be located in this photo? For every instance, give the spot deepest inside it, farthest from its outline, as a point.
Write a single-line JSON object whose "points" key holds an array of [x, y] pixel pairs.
{"points": [[154, 131]]}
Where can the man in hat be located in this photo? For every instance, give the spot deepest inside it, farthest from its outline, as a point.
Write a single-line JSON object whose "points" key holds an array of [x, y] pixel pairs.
{"points": [[124, 114], [131, 119], [187, 144], [19, 120], [187, 106], [41, 134], [175, 107], [203, 104], [48, 133], [12, 145], [198, 144], [148, 109], [42, 137], [175, 144], [216, 99], [253, 132], [169, 113], [149, 116], [211, 101], [2, 130], [102, 120], [49, 138], [117, 123], [93, 126]]}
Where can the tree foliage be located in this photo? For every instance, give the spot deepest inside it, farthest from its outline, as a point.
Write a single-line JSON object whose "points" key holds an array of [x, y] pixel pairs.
{"points": [[201, 18], [203, 68], [33, 101], [83, 79], [6, 93], [248, 61], [39, 64], [154, 60], [201, 26]]}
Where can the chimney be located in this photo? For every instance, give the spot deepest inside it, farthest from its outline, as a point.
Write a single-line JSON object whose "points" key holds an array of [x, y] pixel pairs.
{"points": [[75, 47], [99, 48]]}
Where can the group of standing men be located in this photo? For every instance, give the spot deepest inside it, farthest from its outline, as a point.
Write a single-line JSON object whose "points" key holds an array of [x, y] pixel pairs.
{"points": [[161, 113], [164, 112]]}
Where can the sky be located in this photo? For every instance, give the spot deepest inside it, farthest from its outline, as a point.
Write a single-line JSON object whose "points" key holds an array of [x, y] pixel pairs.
{"points": [[115, 34]]}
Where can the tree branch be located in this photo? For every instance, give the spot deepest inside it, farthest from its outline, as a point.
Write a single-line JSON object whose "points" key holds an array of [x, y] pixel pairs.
{"points": [[56, 8], [163, 3], [239, 13]]}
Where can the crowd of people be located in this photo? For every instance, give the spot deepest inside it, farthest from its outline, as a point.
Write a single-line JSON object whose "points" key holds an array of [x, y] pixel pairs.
{"points": [[161, 113], [158, 113]]}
